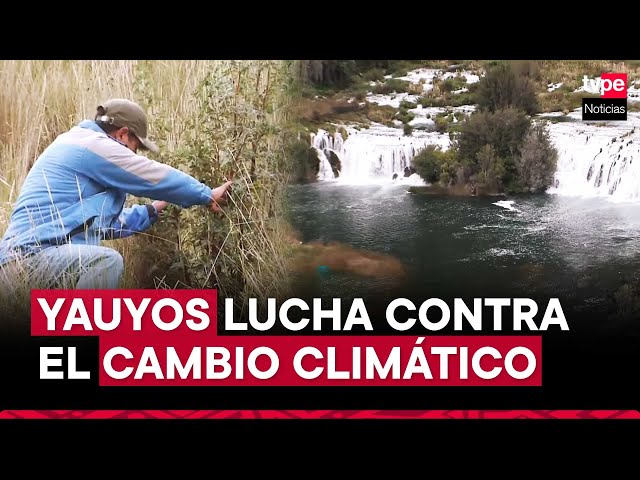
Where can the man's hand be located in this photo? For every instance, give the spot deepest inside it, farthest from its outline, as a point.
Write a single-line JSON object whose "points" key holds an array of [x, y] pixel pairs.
{"points": [[219, 196], [159, 205]]}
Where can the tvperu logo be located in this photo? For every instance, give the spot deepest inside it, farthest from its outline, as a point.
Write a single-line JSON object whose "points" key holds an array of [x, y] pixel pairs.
{"points": [[612, 103]]}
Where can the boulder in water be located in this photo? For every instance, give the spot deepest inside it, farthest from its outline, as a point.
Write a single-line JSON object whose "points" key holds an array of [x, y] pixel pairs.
{"points": [[408, 171], [395, 175], [334, 161]]}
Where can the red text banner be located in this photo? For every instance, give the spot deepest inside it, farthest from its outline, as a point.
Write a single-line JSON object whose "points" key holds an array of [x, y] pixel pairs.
{"points": [[170, 338]]}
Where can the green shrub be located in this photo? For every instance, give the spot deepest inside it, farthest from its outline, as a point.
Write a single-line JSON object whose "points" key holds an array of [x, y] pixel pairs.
{"points": [[399, 68], [392, 85], [559, 101], [442, 124], [431, 162], [537, 161], [380, 113], [234, 130], [407, 105], [459, 99], [404, 116], [453, 83], [502, 88], [359, 91], [374, 75], [491, 168], [432, 101], [503, 129], [407, 129], [343, 132]]}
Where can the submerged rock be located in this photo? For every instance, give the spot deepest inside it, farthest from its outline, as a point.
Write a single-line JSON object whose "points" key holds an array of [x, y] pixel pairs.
{"points": [[338, 257]]}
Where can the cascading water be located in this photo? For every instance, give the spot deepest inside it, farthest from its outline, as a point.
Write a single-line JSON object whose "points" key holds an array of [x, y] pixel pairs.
{"points": [[326, 145], [377, 153], [594, 158], [598, 160], [325, 172], [383, 153]]}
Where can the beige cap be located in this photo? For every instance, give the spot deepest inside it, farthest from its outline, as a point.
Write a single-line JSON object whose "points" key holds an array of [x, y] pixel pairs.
{"points": [[121, 112]]}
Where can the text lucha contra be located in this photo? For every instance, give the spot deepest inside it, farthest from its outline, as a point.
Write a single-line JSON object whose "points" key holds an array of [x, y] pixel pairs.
{"points": [[524, 311]]}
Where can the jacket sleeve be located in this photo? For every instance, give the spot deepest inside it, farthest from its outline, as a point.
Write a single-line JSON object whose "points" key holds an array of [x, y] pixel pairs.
{"points": [[115, 166], [132, 220]]}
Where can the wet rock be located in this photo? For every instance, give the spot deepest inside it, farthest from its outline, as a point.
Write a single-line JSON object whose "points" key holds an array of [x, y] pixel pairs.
{"points": [[334, 161], [613, 187], [598, 181]]}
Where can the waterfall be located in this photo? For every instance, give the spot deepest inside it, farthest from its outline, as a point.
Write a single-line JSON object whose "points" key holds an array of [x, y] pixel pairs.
{"points": [[598, 160], [594, 158], [374, 154], [325, 172], [325, 144]]}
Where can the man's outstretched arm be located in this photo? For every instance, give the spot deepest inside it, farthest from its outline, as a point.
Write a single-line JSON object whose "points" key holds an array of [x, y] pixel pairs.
{"points": [[115, 166]]}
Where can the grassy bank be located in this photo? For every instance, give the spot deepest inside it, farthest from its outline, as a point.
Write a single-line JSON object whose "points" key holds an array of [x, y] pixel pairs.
{"points": [[216, 120]]}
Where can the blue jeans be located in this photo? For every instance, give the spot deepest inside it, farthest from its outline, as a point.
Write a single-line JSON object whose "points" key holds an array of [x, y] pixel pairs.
{"points": [[76, 266]]}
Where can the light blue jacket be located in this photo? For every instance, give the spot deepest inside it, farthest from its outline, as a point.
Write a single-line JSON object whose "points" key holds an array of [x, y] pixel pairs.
{"points": [[76, 190]]}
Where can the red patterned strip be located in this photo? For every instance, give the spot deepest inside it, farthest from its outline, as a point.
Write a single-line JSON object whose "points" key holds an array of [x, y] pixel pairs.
{"points": [[321, 414]]}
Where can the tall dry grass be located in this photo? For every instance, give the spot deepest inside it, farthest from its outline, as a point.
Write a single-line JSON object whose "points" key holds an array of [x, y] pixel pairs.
{"points": [[216, 120], [41, 99]]}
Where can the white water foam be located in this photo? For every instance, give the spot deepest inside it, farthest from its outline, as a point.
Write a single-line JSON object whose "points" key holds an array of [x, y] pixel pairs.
{"points": [[378, 154], [391, 100], [598, 159], [508, 204]]}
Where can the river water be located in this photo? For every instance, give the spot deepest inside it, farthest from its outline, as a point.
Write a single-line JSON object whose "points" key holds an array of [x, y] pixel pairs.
{"points": [[578, 249], [579, 242]]}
